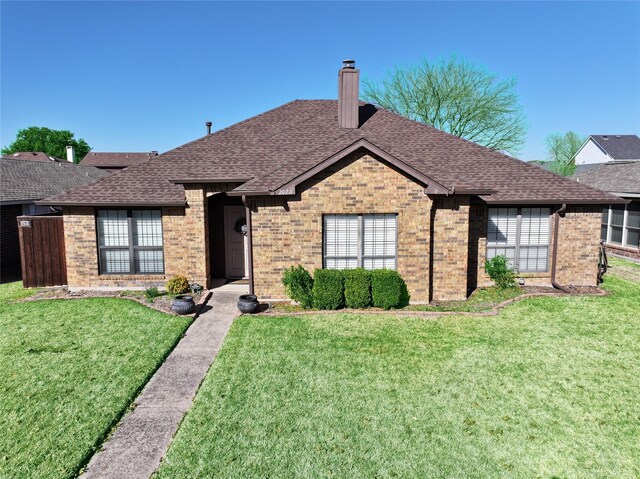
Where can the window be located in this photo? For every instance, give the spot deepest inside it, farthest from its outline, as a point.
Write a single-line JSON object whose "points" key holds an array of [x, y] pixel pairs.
{"points": [[520, 234], [621, 224], [365, 241], [130, 241]]}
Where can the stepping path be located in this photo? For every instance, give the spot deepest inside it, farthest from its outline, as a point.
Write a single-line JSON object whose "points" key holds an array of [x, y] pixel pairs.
{"points": [[142, 437]]}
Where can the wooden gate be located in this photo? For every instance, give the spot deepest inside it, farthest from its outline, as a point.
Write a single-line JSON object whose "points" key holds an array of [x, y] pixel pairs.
{"points": [[42, 252]]}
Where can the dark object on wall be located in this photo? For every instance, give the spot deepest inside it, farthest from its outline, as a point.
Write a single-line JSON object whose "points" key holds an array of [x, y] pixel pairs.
{"points": [[42, 251], [248, 304], [183, 304]]}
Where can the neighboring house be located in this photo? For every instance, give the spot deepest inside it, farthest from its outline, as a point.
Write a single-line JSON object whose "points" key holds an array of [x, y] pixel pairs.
{"points": [[620, 228], [333, 184], [605, 148], [115, 161], [23, 181], [32, 156]]}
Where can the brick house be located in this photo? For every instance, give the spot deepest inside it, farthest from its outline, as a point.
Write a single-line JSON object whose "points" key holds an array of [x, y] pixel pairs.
{"points": [[335, 185]]}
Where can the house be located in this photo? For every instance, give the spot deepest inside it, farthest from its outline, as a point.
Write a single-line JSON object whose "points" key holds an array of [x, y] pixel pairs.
{"points": [[115, 161], [605, 148], [32, 156], [333, 184], [23, 181], [620, 227]]}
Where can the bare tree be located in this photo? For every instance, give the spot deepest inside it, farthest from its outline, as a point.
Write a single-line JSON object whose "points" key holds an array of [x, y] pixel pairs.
{"points": [[458, 97]]}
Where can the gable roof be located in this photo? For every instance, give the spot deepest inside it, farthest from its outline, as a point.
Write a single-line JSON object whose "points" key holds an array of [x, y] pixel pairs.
{"points": [[116, 160], [32, 156], [24, 180], [613, 177], [619, 147], [270, 151]]}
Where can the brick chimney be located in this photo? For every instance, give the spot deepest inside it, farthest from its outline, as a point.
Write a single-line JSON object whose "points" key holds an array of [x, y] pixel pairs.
{"points": [[348, 79]]}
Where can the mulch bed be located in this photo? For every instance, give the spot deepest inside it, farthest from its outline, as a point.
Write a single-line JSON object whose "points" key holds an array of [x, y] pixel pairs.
{"points": [[160, 303]]}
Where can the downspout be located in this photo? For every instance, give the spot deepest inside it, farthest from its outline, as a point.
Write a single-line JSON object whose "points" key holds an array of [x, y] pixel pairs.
{"points": [[250, 241], [554, 257]]}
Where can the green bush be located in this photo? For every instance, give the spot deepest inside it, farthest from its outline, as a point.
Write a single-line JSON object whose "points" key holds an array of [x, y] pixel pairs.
{"points": [[500, 272], [178, 285], [298, 284], [328, 289], [388, 289], [151, 293], [357, 288]]}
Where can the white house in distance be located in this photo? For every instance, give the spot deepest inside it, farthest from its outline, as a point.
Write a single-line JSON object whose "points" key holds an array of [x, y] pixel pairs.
{"points": [[608, 148]]}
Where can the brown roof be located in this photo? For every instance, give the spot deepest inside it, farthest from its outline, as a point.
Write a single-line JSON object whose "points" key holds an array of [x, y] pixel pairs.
{"points": [[278, 147], [116, 160], [619, 177], [32, 156]]}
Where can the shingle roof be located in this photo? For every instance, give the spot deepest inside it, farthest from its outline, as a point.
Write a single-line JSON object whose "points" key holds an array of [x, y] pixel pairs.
{"points": [[116, 160], [275, 147], [619, 147], [32, 156], [614, 177], [24, 180]]}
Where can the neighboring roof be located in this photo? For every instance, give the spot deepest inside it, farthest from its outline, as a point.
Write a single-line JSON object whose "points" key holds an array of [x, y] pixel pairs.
{"points": [[619, 147], [116, 160], [277, 148], [24, 180], [32, 156], [613, 177]]}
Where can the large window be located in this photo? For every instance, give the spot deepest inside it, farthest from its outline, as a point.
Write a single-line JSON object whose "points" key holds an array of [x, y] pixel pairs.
{"points": [[621, 224], [520, 234], [360, 241], [130, 241]]}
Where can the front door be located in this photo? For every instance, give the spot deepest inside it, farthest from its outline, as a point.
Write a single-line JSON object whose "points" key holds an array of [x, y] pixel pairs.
{"points": [[235, 241]]}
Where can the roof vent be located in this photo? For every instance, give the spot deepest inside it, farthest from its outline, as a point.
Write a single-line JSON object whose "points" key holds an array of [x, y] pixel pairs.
{"points": [[208, 125], [605, 137], [618, 137]]}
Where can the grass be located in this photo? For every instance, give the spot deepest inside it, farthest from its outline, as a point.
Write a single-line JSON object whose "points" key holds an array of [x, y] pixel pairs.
{"points": [[548, 388], [70, 368]]}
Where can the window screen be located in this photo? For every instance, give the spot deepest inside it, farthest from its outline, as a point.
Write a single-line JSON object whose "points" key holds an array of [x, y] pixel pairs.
{"points": [[365, 241], [130, 241], [520, 234], [633, 225], [604, 227], [617, 222]]}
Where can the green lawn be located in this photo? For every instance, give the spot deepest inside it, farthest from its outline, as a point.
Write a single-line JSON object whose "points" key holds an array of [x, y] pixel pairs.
{"points": [[69, 369], [550, 388]]}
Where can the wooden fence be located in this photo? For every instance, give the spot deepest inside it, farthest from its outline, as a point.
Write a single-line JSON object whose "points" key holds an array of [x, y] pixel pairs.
{"points": [[42, 251]]}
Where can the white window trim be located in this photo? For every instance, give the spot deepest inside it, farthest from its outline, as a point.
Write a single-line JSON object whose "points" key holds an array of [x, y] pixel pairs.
{"points": [[625, 217], [516, 247], [360, 247]]}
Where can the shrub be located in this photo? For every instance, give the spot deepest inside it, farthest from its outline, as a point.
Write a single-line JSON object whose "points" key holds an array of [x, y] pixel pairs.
{"points": [[500, 272], [388, 289], [151, 293], [328, 289], [357, 288], [298, 284], [178, 285]]}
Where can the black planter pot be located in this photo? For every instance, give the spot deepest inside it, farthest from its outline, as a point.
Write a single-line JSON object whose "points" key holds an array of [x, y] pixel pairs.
{"points": [[183, 304], [248, 304]]}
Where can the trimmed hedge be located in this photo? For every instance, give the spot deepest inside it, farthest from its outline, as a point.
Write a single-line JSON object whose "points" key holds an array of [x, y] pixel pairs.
{"points": [[298, 285], [178, 284], [357, 288], [388, 289], [500, 272], [328, 289]]}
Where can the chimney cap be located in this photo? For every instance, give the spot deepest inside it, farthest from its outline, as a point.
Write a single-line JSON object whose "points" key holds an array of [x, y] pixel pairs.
{"points": [[208, 123], [348, 64]]}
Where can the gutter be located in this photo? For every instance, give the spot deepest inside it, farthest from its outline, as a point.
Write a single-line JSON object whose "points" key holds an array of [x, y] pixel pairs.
{"points": [[556, 224], [250, 241]]}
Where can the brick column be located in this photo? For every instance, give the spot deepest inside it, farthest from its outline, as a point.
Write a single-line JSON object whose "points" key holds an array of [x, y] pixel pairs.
{"points": [[450, 247]]}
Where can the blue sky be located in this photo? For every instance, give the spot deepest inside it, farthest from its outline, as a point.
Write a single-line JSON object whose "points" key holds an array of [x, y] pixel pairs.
{"points": [[140, 76]]}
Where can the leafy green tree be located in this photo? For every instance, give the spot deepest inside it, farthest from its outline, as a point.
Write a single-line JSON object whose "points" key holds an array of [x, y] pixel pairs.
{"points": [[560, 151], [456, 96], [52, 142]]}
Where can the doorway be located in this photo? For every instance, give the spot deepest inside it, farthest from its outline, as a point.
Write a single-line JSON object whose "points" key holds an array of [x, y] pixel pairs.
{"points": [[235, 242]]}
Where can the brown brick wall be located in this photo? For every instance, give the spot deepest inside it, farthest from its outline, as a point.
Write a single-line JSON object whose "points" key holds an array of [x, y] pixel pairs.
{"points": [[577, 248], [623, 251], [289, 231], [450, 247], [185, 251]]}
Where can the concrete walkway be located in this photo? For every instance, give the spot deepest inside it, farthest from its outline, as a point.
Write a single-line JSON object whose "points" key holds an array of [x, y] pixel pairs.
{"points": [[143, 436]]}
